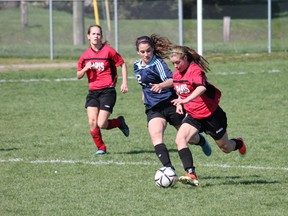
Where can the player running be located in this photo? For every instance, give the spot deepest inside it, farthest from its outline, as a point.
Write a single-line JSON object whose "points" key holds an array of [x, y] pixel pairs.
{"points": [[201, 100], [99, 63], [155, 77]]}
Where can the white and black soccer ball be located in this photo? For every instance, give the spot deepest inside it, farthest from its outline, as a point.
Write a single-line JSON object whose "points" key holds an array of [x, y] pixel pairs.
{"points": [[165, 177]]}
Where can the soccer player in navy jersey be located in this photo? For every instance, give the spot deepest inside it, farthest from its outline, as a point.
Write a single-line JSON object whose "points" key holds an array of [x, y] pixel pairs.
{"points": [[200, 99], [99, 63], [155, 77]]}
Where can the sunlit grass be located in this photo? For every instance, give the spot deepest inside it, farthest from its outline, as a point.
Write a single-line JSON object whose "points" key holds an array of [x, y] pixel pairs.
{"points": [[48, 165]]}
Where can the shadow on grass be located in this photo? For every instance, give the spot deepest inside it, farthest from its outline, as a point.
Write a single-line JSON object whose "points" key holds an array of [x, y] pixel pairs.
{"points": [[9, 149], [137, 152], [235, 180], [221, 177], [144, 151]]}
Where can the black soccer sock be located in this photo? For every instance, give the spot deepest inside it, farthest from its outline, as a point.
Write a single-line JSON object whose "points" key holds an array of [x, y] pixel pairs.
{"points": [[163, 155], [238, 144], [187, 159], [201, 141]]}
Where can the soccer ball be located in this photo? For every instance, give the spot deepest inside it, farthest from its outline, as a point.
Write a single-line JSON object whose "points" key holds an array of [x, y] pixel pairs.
{"points": [[165, 177]]}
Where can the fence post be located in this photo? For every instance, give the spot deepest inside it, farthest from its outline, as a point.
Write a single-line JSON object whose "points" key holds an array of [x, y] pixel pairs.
{"points": [[78, 22], [24, 13], [226, 28]]}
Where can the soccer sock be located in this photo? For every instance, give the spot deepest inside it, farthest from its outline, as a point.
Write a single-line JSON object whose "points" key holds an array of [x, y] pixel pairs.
{"points": [[113, 123], [97, 138], [201, 141], [238, 144], [187, 160], [163, 154]]}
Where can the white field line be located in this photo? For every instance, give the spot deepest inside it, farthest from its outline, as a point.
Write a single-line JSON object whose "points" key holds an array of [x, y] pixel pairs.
{"points": [[38, 80], [130, 77], [35, 66], [244, 73], [223, 166]]}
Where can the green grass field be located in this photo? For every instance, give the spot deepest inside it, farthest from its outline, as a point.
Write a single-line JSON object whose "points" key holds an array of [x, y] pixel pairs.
{"points": [[48, 165]]}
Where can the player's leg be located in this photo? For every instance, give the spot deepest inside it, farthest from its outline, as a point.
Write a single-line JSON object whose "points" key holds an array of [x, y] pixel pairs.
{"points": [[95, 132], [175, 119], [107, 103], [184, 134], [105, 123], [156, 128], [216, 126], [225, 144], [228, 145], [103, 117], [200, 140]]}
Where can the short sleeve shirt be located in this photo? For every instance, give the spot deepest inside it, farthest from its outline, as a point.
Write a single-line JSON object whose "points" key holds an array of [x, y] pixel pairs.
{"points": [[103, 73], [155, 72], [185, 83]]}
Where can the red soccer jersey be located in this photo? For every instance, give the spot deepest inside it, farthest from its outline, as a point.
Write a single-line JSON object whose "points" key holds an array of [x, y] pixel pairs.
{"points": [[103, 73], [184, 84]]}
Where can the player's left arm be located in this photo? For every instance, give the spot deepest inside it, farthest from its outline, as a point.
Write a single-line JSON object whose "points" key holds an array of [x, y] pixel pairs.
{"points": [[124, 85], [159, 86]]}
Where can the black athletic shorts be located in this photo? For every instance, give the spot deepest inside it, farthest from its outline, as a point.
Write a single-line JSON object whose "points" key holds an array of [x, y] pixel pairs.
{"points": [[104, 99], [215, 125], [167, 111]]}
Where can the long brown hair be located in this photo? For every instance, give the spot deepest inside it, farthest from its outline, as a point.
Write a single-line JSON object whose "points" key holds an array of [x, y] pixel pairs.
{"points": [[192, 56], [161, 45]]}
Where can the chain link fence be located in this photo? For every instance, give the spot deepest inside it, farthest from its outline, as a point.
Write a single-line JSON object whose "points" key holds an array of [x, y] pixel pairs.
{"points": [[230, 29]]}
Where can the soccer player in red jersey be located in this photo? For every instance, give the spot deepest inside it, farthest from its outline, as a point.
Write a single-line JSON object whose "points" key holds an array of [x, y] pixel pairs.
{"points": [[99, 63], [201, 100]]}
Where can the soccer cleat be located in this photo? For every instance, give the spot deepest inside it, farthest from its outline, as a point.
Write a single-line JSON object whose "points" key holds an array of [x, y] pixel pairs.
{"points": [[100, 152], [190, 179], [242, 150], [206, 147], [124, 127]]}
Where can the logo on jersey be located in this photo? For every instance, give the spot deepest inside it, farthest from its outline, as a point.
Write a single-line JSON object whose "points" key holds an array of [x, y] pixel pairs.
{"points": [[218, 131], [147, 85], [98, 66], [182, 89]]}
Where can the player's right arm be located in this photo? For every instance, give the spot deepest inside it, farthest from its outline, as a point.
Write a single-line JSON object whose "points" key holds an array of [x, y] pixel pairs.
{"points": [[81, 73]]}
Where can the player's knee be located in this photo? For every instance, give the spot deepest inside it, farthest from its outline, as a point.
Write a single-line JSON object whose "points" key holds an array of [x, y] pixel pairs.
{"points": [[224, 146], [177, 141], [102, 125], [225, 149], [181, 143], [92, 123], [193, 140]]}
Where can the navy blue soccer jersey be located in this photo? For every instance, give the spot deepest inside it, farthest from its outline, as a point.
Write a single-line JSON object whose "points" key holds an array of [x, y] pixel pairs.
{"points": [[155, 72]]}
